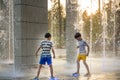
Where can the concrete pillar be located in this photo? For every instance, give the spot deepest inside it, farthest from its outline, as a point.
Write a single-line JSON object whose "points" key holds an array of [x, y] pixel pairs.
{"points": [[71, 16], [117, 26], [30, 24]]}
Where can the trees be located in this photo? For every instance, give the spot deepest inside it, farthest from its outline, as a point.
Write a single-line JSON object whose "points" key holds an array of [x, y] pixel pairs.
{"points": [[56, 21], [97, 29]]}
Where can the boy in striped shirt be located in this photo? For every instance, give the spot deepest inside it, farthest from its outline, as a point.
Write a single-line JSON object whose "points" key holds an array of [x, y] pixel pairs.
{"points": [[46, 46]]}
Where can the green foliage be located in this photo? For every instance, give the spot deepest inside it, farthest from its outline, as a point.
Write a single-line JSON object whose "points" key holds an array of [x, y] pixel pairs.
{"points": [[96, 25], [56, 22]]}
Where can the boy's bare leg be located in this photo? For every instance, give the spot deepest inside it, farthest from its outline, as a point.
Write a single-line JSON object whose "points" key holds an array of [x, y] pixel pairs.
{"points": [[39, 69], [78, 66], [51, 70], [86, 66]]}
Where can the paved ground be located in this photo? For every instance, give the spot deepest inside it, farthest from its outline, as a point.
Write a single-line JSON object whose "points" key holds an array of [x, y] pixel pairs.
{"points": [[101, 76], [101, 69], [109, 70]]}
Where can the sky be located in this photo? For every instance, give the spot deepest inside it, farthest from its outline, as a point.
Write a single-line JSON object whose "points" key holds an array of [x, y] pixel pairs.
{"points": [[84, 5]]}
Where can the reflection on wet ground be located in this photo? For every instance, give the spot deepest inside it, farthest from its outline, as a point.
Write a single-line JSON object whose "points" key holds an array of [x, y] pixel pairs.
{"points": [[109, 69]]}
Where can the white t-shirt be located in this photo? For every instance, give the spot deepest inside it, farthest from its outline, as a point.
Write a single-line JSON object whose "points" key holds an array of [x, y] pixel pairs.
{"points": [[82, 44]]}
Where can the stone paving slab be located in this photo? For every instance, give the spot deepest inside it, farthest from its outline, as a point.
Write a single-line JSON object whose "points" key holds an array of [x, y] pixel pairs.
{"points": [[63, 71], [102, 76]]}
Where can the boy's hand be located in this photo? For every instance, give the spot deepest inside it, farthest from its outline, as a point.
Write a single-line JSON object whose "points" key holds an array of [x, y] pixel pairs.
{"points": [[87, 54], [54, 56], [36, 53]]}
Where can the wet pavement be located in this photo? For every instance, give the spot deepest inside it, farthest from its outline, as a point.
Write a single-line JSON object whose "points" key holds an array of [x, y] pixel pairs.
{"points": [[101, 69], [100, 76], [108, 69]]}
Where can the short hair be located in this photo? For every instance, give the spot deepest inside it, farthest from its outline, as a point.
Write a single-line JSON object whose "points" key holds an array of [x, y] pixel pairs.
{"points": [[77, 35], [47, 35]]}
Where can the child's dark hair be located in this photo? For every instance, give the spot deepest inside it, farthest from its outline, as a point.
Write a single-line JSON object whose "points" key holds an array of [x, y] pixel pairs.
{"points": [[77, 35], [47, 35]]}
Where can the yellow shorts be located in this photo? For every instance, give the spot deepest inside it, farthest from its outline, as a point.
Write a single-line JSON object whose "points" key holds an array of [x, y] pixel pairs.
{"points": [[81, 57]]}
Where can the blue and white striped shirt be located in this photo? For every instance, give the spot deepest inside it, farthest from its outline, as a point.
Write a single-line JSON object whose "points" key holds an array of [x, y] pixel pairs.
{"points": [[46, 46]]}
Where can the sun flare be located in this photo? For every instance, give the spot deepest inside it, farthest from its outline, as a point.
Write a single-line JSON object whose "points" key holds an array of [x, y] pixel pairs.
{"points": [[50, 4], [91, 6]]}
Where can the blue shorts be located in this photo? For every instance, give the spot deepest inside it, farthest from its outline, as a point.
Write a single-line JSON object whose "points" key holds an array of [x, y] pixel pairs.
{"points": [[45, 59]]}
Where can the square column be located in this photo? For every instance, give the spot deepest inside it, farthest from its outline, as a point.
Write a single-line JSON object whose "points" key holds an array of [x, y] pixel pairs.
{"points": [[30, 25]]}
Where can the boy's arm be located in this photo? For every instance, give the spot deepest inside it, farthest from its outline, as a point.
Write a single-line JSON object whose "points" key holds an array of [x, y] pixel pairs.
{"points": [[36, 53], [53, 53], [88, 48]]}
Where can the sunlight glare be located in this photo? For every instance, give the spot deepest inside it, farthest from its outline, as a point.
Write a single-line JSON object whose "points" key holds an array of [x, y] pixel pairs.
{"points": [[86, 5], [63, 2], [49, 4]]}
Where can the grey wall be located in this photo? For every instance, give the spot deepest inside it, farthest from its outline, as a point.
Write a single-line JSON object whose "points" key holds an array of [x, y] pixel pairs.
{"points": [[117, 28], [30, 24], [71, 14]]}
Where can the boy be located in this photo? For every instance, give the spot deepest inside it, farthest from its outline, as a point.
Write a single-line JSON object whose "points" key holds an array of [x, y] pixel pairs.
{"points": [[46, 45], [82, 54]]}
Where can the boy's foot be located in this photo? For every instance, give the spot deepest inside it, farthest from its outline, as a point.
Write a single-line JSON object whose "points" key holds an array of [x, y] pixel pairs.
{"points": [[87, 74], [36, 78], [53, 78], [75, 74]]}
